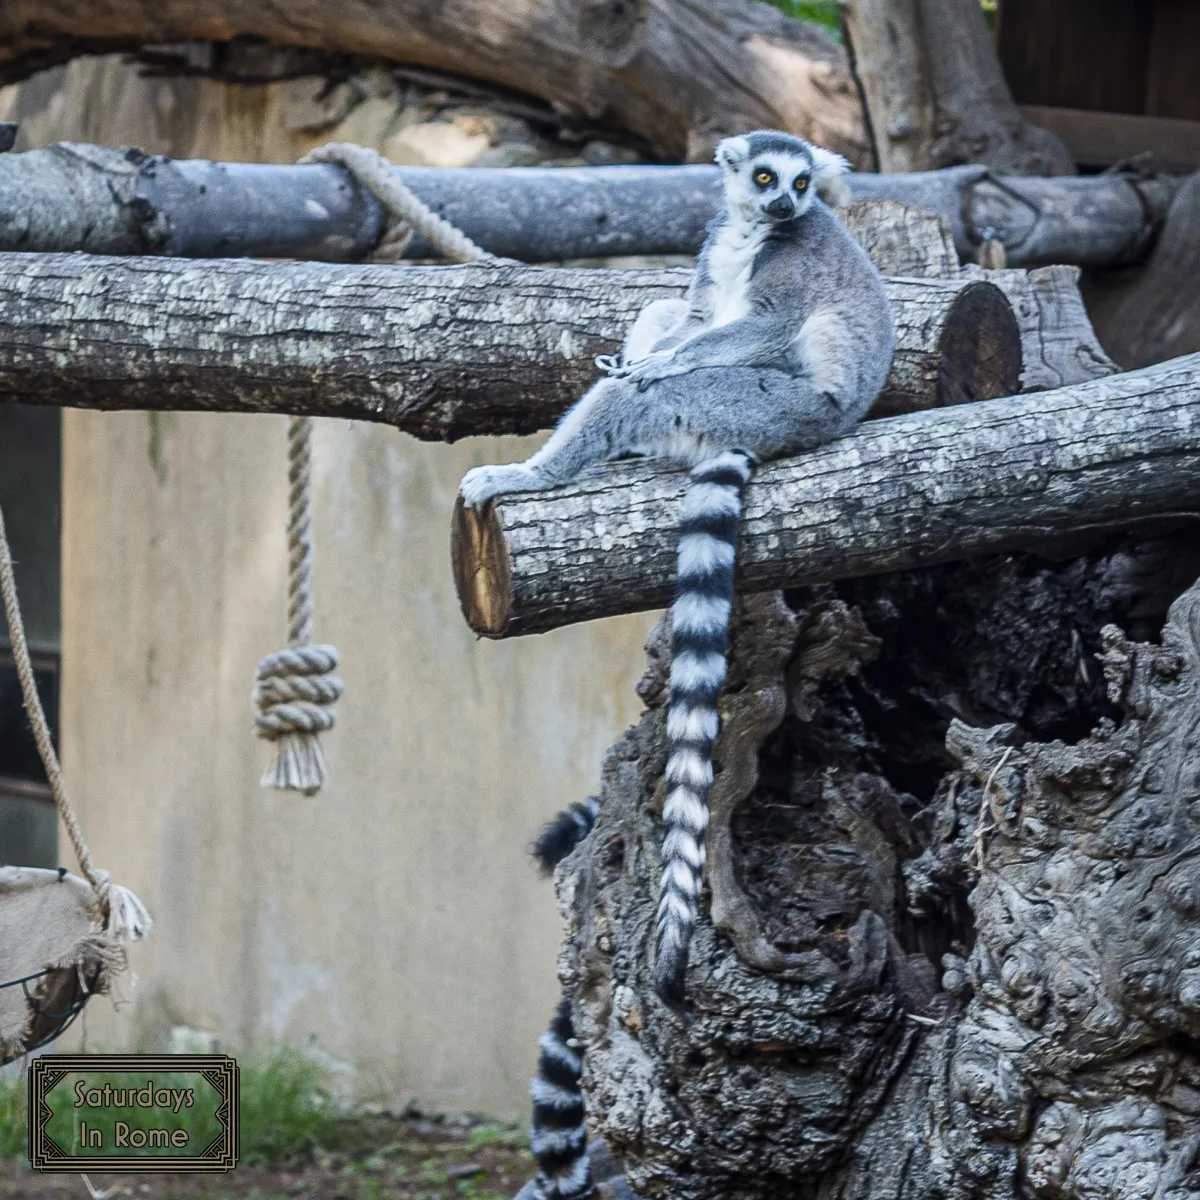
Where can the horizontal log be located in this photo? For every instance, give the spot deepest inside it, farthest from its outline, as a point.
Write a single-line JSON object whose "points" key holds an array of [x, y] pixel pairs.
{"points": [[914, 490], [105, 201], [440, 352]]}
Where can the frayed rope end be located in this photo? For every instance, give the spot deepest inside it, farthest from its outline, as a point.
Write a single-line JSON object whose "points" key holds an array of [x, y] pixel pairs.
{"points": [[300, 765], [126, 919]]}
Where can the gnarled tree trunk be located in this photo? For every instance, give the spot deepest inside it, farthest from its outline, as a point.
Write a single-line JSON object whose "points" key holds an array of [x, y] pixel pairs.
{"points": [[948, 947], [935, 94]]}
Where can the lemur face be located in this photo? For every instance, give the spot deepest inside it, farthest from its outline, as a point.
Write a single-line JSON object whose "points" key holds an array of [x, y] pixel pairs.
{"points": [[772, 177]]}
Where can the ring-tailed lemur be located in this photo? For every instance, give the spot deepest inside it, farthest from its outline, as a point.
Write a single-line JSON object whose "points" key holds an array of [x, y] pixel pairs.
{"points": [[562, 833], [783, 342], [558, 1135]]}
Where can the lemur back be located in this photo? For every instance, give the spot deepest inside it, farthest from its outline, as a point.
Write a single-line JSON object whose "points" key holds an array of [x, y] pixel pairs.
{"points": [[783, 342]]}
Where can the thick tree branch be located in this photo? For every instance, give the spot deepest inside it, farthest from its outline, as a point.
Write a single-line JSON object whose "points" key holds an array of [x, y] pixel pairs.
{"points": [[924, 488], [646, 66], [106, 201], [440, 352]]}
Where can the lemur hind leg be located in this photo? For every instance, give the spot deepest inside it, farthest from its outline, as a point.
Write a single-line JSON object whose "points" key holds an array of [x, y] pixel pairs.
{"points": [[762, 411], [612, 418]]}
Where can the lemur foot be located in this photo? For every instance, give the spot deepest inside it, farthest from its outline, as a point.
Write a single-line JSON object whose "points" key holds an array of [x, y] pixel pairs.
{"points": [[480, 484]]}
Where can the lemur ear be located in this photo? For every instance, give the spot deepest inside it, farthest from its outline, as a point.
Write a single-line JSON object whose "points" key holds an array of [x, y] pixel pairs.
{"points": [[732, 152], [826, 164]]}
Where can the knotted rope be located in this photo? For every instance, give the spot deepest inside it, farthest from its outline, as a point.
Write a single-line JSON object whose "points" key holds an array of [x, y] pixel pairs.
{"points": [[122, 916], [296, 688]]}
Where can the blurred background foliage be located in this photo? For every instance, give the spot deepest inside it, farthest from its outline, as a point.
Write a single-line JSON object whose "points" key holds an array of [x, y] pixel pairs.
{"points": [[825, 13]]}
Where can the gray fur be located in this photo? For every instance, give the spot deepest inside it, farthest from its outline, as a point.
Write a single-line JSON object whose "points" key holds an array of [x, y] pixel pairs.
{"points": [[673, 394], [783, 343]]}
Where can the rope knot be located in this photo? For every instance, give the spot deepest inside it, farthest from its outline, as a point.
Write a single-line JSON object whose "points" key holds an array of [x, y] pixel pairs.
{"points": [[124, 916], [294, 691]]}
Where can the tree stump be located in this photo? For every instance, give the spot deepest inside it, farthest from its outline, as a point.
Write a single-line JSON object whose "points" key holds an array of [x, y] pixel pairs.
{"points": [[949, 945]]}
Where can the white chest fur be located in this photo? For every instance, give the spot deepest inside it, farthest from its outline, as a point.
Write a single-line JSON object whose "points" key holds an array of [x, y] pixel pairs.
{"points": [[730, 261]]}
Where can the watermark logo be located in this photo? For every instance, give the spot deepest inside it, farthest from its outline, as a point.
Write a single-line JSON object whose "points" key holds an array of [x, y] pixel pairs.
{"points": [[133, 1112]]}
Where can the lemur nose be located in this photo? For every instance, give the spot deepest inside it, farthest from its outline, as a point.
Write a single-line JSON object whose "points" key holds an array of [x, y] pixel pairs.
{"points": [[781, 206]]}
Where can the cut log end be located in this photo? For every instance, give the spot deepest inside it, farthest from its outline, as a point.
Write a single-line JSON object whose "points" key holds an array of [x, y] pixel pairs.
{"points": [[918, 489], [479, 558], [956, 341], [980, 348]]}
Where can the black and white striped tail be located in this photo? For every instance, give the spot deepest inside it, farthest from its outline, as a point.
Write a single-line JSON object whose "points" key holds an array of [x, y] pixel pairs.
{"points": [[708, 532], [558, 1136], [561, 834]]}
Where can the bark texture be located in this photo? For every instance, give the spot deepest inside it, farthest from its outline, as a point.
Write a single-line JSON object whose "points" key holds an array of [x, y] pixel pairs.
{"points": [[440, 352], [1059, 347], [111, 201], [1156, 314], [646, 66], [1083, 220], [949, 949], [928, 487], [935, 94]]}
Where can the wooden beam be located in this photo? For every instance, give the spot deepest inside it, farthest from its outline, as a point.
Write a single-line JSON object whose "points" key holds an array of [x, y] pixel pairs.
{"points": [[113, 201], [923, 488]]}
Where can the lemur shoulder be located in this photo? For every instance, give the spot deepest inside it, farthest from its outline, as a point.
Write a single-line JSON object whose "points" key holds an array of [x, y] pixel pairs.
{"points": [[783, 342]]}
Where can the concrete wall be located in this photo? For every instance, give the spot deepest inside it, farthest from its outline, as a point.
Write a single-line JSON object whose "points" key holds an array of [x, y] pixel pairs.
{"points": [[394, 920]]}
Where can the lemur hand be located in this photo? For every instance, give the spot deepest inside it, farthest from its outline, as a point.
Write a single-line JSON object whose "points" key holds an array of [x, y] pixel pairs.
{"points": [[652, 368]]}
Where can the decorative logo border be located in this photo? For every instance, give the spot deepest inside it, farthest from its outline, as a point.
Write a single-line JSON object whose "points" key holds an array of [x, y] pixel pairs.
{"points": [[221, 1154]]}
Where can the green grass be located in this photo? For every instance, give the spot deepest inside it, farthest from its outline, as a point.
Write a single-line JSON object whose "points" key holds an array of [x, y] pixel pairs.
{"points": [[287, 1110], [827, 14], [820, 12], [511, 1137], [12, 1118]]}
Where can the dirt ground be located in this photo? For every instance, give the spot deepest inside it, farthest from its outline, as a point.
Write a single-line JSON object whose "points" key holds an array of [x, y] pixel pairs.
{"points": [[392, 1159]]}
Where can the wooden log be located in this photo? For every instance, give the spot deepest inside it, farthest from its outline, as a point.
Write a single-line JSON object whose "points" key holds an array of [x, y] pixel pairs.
{"points": [[1080, 220], [923, 488], [1058, 345], [1156, 314], [957, 340], [113, 201], [440, 352], [642, 66]]}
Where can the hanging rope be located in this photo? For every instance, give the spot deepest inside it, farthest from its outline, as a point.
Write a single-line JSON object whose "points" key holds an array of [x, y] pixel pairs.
{"points": [[122, 915], [409, 214], [296, 688]]}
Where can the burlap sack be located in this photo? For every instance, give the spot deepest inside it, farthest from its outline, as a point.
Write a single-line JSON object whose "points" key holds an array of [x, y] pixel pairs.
{"points": [[52, 955]]}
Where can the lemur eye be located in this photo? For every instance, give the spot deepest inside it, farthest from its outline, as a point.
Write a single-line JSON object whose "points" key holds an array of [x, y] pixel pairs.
{"points": [[764, 178], [801, 184]]}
